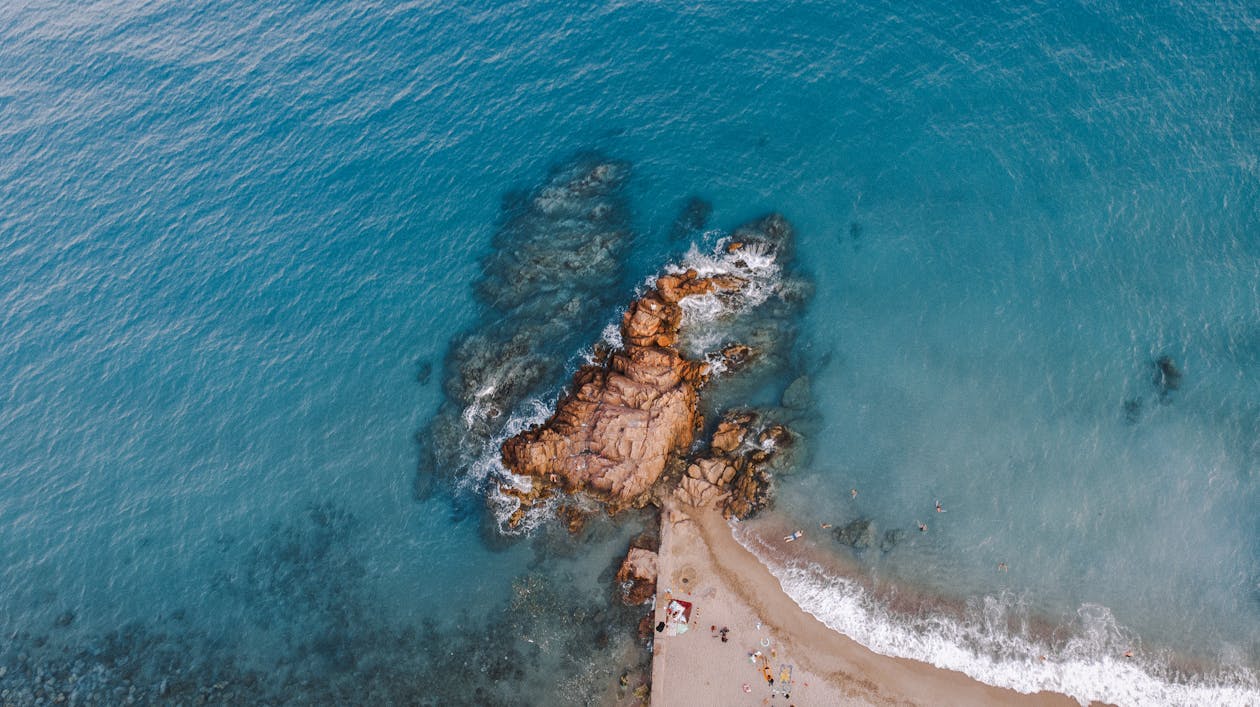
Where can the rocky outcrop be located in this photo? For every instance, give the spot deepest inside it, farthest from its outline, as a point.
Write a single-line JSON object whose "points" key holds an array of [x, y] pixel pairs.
{"points": [[734, 473], [554, 266], [637, 575], [613, 433], [623, 433]]}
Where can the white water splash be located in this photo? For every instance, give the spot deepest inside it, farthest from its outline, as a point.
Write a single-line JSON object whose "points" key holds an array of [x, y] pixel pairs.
{"points": [[1089, 667], [486, 471]]}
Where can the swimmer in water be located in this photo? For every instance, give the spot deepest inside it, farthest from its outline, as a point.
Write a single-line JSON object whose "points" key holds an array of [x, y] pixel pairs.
{"points": [[853, 493], [922, 526], [938, 507]]}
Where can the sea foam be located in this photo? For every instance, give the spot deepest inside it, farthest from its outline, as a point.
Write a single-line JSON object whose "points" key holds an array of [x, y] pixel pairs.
{"points": [[1088, 666]]}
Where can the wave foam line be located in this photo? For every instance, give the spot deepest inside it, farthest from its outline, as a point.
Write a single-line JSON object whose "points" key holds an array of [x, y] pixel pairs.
{"points": [[1087, 668], [486, 471]]}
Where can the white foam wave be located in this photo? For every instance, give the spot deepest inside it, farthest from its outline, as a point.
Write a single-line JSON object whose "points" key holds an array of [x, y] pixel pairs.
{"points": [[612, 335], [486, 471], [1089, 666], [754, 262]]}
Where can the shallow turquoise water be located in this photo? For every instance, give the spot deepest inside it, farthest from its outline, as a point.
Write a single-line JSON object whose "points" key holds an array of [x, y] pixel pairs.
{"points": [[233, 237]]}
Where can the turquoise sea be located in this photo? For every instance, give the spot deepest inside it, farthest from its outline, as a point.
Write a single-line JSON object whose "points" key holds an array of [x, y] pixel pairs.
{"points": [[257, 260]]}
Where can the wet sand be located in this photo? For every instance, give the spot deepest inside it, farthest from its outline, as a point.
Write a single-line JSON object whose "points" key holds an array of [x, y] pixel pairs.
{"points": [[701, 562]]}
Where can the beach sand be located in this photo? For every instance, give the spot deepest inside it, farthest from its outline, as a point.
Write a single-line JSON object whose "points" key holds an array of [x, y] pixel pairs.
{"points": [[701, 562]]}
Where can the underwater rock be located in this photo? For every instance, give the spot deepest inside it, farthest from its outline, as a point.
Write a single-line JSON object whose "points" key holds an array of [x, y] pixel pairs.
{"points": [[859, 535], [691, 220], [797, 395], [612, 435], [892, 538], [554, 264], [573, 518], [638, 576]]}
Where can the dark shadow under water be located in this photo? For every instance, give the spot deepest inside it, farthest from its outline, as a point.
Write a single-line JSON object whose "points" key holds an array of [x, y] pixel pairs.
{"points": [[306, 587]]}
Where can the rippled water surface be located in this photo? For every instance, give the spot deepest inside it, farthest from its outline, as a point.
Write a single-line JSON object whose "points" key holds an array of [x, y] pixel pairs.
{"points": [[239, 244]]}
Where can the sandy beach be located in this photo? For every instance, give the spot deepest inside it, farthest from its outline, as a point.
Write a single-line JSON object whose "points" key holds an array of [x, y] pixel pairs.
{"points": [[768, 637]]}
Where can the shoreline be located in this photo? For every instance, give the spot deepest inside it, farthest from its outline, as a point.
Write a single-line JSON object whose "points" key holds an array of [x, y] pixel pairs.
{"points": [[701, 562]]}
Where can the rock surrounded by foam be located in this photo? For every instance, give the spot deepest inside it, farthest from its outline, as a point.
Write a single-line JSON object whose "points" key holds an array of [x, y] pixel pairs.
{"points": [[636, 408], [613, 434], [556, 256]]}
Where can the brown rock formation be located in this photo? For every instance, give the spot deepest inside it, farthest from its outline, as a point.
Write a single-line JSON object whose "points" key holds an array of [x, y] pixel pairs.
{"points": [[638, 573], [613, 433], [572, 517], [733, 473]]}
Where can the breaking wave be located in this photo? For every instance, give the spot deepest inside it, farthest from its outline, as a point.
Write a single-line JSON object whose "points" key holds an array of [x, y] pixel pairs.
{"points": [[1087, 666], [704, 316], [486, 471]]}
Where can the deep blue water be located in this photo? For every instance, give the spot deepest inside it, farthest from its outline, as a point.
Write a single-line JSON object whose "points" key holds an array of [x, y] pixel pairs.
{"points": [[232, 238]]}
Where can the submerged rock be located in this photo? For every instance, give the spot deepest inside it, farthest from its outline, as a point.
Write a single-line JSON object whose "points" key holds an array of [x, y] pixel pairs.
{"points": [[859, 535], [691, 220], [1133, 410], [892, 538], [797, 395], [573, 518], [555, 261]]}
